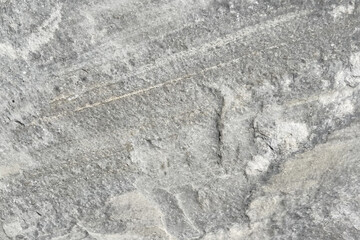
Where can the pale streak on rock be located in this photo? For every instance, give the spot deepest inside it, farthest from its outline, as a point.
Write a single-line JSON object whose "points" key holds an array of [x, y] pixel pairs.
{"points": [[44, 33], [134, 93], [7, 50], [247, 31]]}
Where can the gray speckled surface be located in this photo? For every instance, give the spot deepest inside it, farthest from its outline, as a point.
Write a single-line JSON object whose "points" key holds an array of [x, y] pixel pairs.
{"points": [[179, 119]]}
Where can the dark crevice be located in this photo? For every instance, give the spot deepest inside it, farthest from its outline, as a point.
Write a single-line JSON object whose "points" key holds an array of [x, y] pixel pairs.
{"points": [[20, 123]]}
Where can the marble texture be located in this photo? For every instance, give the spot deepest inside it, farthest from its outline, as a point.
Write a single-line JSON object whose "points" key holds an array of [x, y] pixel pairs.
{"points": [[179, 119]]}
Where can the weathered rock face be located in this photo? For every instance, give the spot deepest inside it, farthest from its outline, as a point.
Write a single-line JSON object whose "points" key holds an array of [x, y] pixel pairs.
{"points": [[183, 119]]}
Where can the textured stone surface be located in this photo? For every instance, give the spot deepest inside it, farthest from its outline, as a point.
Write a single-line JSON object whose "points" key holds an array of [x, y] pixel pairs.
{"points": [[181, 119]]}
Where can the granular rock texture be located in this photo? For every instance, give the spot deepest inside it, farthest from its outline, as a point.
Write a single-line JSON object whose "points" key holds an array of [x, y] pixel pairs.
{"points": [[179, 119]]}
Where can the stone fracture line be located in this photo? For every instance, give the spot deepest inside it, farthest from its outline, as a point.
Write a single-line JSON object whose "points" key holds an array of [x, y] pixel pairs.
{"points": [[138, 92], [141, 91], [247, 31]]}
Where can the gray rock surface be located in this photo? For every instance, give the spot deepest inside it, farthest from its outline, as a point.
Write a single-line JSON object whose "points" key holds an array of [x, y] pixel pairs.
{"points": [[179, 119]]}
